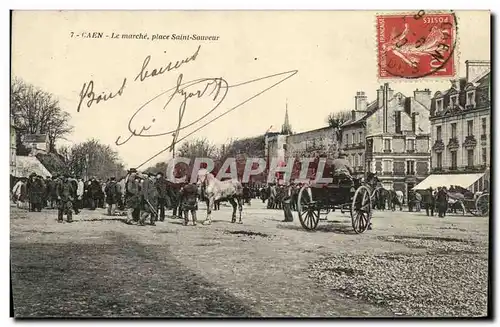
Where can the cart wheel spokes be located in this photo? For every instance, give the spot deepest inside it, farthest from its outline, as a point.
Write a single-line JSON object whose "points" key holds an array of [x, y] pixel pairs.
{"points": [[361, 210], [483, 205], [308, 213]]}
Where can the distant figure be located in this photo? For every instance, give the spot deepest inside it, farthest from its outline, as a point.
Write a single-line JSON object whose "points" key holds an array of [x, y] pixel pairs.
{"points": [[149, 208], [442, 202], [429, 202], [20, 193], [79, 193], [189, 202], [65, 194], [163, 196], [133, 196], [113, 194]]}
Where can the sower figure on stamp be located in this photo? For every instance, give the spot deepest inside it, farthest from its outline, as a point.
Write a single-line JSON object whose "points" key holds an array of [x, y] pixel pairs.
{"points": [[133, 202], [65, 192], [189, 202], [149, 208]]}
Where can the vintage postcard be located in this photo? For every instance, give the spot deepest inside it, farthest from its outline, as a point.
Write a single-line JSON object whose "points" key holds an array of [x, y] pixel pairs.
{"points": [[250, 163]]}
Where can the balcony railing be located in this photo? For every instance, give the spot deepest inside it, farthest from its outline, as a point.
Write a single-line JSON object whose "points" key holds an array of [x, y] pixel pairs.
{"points": [[410, 151], [438, 145], [470, 141], [387, 150], [387, 173], [453, 143]]}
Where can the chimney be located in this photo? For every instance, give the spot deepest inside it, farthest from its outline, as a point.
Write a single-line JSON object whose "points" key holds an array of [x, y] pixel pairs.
{"points": [[455, 83], [385, 100], [414, 122], [476, 68], [380, 96], [360, 101], [424, 97], [353, 115]]}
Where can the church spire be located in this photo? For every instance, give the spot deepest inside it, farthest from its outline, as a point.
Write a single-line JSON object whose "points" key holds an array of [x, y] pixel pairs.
{"points": [[286, 128]]}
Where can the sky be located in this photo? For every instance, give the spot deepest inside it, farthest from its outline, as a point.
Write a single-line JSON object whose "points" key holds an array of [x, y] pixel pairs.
{"points": [[319, 60]]}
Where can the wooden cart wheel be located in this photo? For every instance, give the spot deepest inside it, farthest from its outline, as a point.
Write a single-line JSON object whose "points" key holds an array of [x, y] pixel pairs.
{"points": [[308, 213], [483, 204], [361, 209]]}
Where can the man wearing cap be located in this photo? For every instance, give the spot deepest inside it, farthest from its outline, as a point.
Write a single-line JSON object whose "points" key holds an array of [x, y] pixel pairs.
{"points": [[65, 192], [133, 196]]}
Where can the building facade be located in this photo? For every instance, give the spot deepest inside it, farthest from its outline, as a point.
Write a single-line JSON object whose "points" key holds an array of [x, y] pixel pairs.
{"points": [[390, 137], [461, 124]]}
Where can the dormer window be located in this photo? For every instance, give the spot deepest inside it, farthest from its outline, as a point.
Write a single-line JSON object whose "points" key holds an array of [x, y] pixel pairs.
{"points": [[471, 98], [454, 100], [439, 104]]}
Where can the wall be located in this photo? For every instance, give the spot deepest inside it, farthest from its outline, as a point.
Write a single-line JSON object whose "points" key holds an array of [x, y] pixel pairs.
{"points": [[308, 143]]}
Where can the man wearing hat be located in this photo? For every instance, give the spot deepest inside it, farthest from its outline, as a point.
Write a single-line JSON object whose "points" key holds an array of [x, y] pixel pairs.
{"points": [[133, 196], [65, 192]]}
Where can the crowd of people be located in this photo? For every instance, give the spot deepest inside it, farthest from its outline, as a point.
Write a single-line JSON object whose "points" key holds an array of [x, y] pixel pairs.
{"points": [[70, 194], [138, 196]]}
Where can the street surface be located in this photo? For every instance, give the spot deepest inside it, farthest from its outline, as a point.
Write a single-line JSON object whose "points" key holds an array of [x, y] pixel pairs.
{"points": [[408, 265]]}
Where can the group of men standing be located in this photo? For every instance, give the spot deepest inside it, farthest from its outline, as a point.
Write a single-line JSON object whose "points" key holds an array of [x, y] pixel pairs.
{"points": [[147, 196]]}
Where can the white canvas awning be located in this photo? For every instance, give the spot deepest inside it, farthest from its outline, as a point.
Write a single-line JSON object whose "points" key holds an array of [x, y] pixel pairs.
{"points": [[25, 165], [434, 181]]}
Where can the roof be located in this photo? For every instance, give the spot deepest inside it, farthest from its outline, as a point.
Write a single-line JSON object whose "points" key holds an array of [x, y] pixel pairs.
{"points": [[25, 165], [370, 109], [447, 180], [313, 130]]}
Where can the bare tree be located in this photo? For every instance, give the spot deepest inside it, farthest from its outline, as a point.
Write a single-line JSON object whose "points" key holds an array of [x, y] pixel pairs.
{"points": [[92, 158], [336, 119], [37, 112], [197, 148]]}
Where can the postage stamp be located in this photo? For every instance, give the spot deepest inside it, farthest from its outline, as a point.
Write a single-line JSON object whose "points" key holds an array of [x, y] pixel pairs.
{"points": [[418, 45]]}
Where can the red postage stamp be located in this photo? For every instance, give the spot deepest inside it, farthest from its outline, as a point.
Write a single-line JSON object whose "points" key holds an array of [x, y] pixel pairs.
{"points": [[416, 45]]}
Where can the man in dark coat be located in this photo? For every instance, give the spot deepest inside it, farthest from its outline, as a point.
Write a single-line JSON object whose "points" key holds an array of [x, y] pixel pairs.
{"points": [[442, 201], [149, 208], [65, 196], [429, 201], [113, 194], [189, 202], [163, 196], [74, 187], [94, 193], [36, 190], [133, 196]]}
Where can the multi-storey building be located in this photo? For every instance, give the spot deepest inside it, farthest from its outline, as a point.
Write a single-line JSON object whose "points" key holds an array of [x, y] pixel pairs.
{"points": [[396, 134], [461, 134]]}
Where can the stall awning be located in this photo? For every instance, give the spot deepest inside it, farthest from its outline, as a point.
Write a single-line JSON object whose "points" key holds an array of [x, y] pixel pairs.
{"points": [[434, 181]]}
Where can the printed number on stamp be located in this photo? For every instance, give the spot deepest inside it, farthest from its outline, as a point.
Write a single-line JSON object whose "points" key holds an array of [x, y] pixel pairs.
{"points": [[416, 46]]}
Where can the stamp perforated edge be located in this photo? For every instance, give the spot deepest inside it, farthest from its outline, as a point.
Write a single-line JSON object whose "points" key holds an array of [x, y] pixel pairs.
{"points": [[429, 78]]}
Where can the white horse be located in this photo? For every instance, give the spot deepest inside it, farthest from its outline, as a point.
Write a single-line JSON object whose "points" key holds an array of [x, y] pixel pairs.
{"points": [[215, 190]]}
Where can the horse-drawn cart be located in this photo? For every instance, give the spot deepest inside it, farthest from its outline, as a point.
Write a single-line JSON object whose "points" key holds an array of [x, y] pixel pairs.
{"points": [[478, 205], [315, 199]]}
